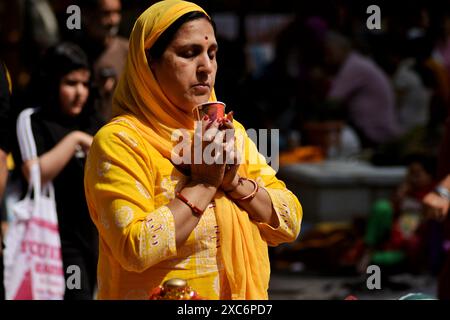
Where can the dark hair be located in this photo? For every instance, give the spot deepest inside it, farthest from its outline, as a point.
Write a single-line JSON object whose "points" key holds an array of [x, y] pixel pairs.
{"points": [[63, 58], [89, 4], [58, 61], [161, 44]]}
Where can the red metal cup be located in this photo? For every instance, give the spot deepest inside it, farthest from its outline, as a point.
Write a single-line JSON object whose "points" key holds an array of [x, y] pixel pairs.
{"points": [[213, 109]]}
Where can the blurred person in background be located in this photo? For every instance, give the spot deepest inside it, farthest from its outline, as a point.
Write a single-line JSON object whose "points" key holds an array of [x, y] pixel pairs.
{"points": [[63, 130], [438, 201], [5, 145], [287, 91], [106, 50], [442, 48], [438, 204], [27, 29], [435, 78], [412, 98], [362, 91]]}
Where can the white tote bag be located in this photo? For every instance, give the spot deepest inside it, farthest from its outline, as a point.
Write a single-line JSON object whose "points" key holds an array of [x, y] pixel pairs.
{"points": [[32, 256]]}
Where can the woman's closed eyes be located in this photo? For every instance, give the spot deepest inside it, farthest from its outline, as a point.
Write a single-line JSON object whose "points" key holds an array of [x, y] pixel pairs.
{"points": [[195, 50]]}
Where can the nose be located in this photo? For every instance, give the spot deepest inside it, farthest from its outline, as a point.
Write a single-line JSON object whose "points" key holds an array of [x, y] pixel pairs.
{"points": [[81, 90], [113, 18], [205, 65]]}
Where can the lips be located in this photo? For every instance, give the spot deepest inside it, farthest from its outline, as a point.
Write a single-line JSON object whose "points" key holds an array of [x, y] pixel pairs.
{"points": [[202, 85], [201, 88]]}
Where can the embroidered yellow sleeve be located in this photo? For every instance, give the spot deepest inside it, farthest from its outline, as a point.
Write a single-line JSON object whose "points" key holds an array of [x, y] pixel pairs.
{"points": [[119, 184], [284, 202], [289, 211]]}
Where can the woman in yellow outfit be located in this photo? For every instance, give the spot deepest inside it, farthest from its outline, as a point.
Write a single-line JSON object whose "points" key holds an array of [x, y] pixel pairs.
{"points": [[211, 224]]}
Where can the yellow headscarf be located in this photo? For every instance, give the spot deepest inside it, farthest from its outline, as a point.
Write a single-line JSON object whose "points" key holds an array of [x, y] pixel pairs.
{"points": [[139, 98], [138, 93]]}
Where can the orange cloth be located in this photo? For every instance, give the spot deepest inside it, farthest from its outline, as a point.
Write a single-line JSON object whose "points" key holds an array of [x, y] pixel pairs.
{"points": [[301, 154]]}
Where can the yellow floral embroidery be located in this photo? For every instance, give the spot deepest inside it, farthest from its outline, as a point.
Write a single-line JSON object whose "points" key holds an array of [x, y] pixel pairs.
{"points": [[168, 185], [156, 233], [104, 166], [127, 139], [123, 216], [172, 184], [206, 235], [282, 205], [142, 190]]}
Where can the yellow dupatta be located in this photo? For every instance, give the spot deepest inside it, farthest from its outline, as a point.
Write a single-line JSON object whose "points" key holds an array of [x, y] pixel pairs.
{"points": [[139, 98]]}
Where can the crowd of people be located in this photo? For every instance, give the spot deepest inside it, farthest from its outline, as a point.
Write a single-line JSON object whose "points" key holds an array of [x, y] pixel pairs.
{"points": [[119, 199]]}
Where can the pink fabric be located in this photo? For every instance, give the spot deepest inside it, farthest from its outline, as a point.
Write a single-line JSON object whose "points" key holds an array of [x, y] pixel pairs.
{"points": [[25, 292]]}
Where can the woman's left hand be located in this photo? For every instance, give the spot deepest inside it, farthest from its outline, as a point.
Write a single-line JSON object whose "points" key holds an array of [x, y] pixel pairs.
{"points": [[436, 207], [231, 178]]}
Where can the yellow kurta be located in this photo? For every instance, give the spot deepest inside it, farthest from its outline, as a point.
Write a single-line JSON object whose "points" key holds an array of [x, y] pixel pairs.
{"points": [[128, 185]]}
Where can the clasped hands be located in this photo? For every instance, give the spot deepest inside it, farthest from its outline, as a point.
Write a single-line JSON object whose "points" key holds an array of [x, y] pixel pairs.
{"points": [[215, 142]]}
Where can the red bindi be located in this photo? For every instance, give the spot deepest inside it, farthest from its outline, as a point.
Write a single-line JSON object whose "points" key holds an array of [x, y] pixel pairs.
{"points": [[206, 38]]}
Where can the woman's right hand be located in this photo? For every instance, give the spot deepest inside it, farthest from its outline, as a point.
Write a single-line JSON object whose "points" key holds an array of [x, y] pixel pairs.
{"points": [[54, 160], [83, 140], [208, 171]]}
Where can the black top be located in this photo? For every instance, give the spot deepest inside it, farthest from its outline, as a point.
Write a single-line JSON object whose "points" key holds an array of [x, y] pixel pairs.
{"points": [[75, 224]]}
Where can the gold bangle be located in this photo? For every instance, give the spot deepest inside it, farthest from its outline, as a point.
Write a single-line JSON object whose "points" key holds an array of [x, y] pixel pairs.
{"points": [[234, 188], [252, 194]]}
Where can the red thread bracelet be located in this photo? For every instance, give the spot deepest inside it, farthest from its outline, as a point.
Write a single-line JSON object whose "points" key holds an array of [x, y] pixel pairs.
{"points": [[196, 210]]}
